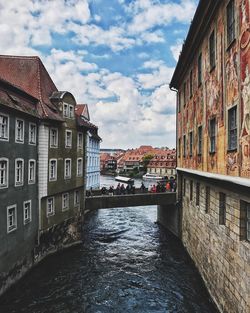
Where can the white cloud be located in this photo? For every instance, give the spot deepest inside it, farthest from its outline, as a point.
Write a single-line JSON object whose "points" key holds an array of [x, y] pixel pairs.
{"points": [[176, 49]]}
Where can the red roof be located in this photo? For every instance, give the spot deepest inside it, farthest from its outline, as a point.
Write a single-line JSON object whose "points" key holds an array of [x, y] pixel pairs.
{"points": [[29, 74], [82, 110]]}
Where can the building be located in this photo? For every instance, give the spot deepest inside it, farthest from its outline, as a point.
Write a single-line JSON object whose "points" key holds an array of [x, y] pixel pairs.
{"points": [[18, 180], [92, 147], [163, 164], [42, 167], [212, 78]]}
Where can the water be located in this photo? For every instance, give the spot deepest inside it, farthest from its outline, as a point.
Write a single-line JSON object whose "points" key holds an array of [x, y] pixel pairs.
{"points": [[127, 263]]}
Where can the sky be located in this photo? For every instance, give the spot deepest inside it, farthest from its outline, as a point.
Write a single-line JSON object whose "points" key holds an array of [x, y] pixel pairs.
{"points": [[118, 56]]}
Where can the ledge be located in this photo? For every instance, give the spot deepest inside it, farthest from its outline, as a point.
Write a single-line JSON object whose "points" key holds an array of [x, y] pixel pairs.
{"points": [[224, 178]]}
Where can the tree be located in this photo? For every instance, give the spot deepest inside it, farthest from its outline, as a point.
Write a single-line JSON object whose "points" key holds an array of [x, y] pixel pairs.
{"points": [[145, 161]]}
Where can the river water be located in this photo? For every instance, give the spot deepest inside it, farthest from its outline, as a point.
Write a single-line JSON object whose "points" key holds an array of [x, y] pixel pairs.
{"points": [[127, 263]]}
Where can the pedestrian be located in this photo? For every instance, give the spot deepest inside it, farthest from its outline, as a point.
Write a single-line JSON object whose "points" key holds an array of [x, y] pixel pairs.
{"points": [[111, 191], [142, 187], [118, 189], [168, 186], [122, 189]]}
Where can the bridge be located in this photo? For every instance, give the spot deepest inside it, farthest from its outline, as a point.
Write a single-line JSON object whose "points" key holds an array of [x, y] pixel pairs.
{"points": [[98, 201]]}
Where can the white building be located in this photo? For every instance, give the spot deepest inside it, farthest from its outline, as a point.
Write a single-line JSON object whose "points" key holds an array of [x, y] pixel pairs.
{"points": [[92, 148]]}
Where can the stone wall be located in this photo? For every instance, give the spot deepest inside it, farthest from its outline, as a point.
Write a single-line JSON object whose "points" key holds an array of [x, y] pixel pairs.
{"points": [[220, 252]]}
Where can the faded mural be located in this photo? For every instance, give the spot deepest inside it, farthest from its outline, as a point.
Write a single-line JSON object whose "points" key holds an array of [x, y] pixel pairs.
{"points": [[227, 85]]}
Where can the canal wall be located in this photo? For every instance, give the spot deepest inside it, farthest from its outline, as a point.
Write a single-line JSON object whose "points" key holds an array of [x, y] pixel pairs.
{"points": [[169, 217], [61, 236]]}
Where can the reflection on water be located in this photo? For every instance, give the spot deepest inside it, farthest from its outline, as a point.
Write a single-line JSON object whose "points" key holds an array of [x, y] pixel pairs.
{"points": [[126, 263]]}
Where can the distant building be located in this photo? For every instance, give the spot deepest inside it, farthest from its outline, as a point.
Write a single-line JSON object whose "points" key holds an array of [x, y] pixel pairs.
{"points": [[92, 147], [163, 164], [213, 164]]}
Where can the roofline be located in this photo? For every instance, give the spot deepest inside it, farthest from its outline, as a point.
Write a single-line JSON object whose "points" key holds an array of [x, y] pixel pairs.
{"points": [[204, 13]]}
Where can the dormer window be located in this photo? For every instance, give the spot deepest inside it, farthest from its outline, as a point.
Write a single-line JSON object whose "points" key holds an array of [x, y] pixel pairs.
{"points": [[71, 111], [65, 110]]}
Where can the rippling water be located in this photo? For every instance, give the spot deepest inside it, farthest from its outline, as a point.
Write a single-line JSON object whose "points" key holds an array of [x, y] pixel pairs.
{"points": [[127, 263]]}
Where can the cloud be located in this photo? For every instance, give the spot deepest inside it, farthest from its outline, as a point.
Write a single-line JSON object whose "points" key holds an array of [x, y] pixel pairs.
{"points": [[150, 14], [176, 49]]}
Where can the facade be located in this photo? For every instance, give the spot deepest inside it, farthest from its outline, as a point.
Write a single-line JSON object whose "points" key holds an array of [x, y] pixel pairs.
{"points": [[42, 167], [92, 148], [213, 139], [18, 181], [163, 164]]}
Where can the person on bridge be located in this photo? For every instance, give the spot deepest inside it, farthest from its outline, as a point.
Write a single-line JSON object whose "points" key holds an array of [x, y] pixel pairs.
{"points": [[111, 191], [122, 190], [143, 188], [118, 189], [168, 187]]}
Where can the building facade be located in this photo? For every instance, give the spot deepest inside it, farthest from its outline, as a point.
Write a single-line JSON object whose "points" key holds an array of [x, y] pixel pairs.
{"points": [[18, 182], [42, 167], [92, 148], [212, 78], [163, 164]]}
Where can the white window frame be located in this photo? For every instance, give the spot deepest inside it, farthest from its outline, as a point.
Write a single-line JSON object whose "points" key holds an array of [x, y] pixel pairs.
{"points": [[17, 140], [50, 136], [11, 228], [66, 143], [7, 173], [32, 181], [17, 184], [79, 173], [67, 176], [32, 141], [77, 198], [29, 218], [65, 208], [71, 111], [65, 110], [54, 178], [6, 138], [50, 212], [79, 144]]}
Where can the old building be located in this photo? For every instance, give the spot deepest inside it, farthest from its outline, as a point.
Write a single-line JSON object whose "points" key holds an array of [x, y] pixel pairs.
{"points": [[163, 163], [92, 147], [18, 182], [42, 165], [213, 138]]}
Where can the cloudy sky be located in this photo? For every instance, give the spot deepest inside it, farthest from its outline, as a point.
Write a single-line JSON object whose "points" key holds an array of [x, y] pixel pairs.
{"points": [[116, 55]]}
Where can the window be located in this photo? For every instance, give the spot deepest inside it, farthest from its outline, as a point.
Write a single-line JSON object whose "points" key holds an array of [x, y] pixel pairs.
{"points": [[67, 168], [65, 201], [52, 170], [245, 220], [32, 172], [71, 111], [207, 203], [212, 50], [184, 93], [27, 212], [77, 198], [79, 167], [19, 171], [68, 139], [191, 143], [65, 110], [19, 131], [179, 101], [4, 173], [197, 193], [184, 146], [50, 206], [212, 135], [179, 150], [4, 127], [191, 84], [80, 141], [222, 208], [11, 218], [200, 69], [32, 133], [230, 22], [184, 187], [232, 128], [53, 138], [199, 140], [191, 190]]}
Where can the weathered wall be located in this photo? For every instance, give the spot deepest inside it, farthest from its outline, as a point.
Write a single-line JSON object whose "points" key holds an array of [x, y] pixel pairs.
{"points": [[169, 217], [220, 255]]}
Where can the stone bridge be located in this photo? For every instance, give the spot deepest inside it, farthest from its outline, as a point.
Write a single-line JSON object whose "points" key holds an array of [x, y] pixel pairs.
{"points": [[98, 201]]}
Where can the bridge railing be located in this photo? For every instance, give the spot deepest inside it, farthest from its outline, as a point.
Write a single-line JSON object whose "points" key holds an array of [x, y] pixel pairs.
{"points": [[98, 192]]}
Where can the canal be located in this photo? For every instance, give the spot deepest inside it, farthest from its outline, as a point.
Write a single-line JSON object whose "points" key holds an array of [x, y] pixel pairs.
{"points": [[126, 263]]}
